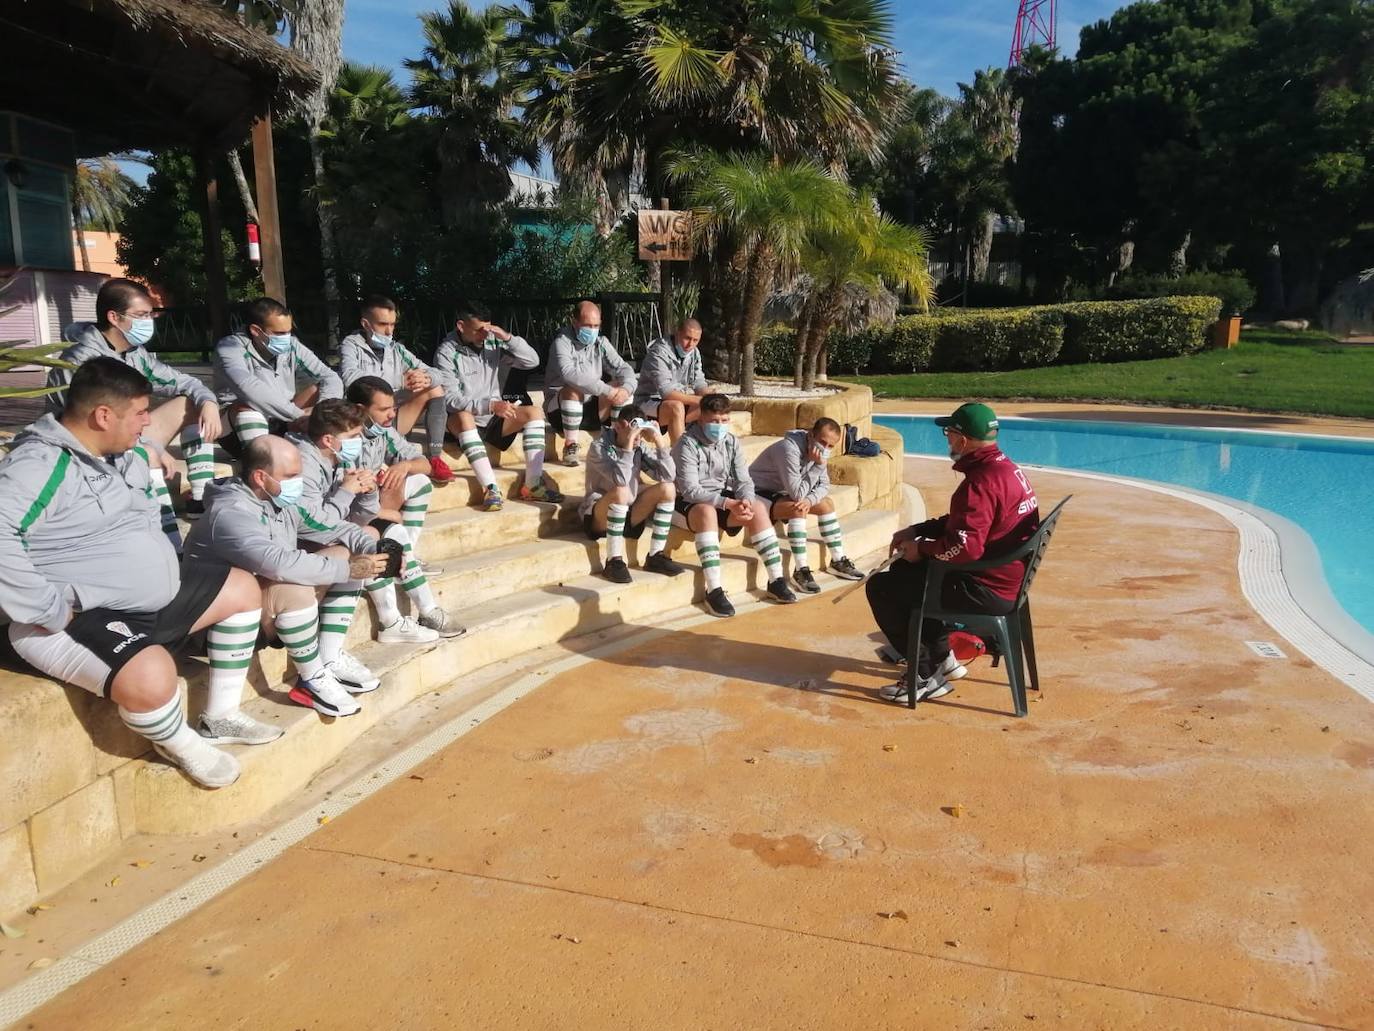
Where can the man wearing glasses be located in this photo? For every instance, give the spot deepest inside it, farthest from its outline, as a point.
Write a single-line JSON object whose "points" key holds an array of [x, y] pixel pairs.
{"points": [[991, 512]]}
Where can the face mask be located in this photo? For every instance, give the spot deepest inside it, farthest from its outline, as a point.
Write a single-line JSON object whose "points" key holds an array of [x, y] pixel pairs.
{"points": [[380, 342], [290, 491], [637, 424], [140, 331], [372, 431], [279, 343], [823, 451], [351, 449], [715, 430], [586, 335]]}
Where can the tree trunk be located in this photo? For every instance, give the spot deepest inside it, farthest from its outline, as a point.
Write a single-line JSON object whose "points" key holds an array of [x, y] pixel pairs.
{"points": [[328, 252], [1272, 299], [826, 315], [760, 280], [1120, 259], [982, 247], [802, 345], [80, 236], [241, 181], [1178, 261], [732, 275]]}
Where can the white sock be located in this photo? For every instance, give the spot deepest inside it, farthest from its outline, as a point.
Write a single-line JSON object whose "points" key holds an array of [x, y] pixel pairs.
{"points": [[200, 460], [796, 541], [830, 533], [382, 593], [571, 411], [229, 646], [337, 610], [615, 531], [419, 492], [248, 424], [766, 544], [533, 440], [662, 523], [170, 529], [299, 630], [165, 726], [708, 551], [471, 443]]}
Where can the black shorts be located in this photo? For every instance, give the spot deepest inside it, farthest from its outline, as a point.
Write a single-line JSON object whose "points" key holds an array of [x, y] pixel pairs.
{"points": [[591, 416], [722, 515], [115, 637], [633, 531], [771, 496], [493, 433]]}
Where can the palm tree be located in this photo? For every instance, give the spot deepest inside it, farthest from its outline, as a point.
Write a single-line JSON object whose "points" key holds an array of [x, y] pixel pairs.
{"points": [[992, 113], [768, 211], [101, 193], [861, 250], [459, 82]]}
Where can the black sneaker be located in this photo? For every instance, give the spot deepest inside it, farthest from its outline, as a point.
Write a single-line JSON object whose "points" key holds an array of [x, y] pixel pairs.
{"points": [[780, 592], [194, 508], [659, 562], [845, 569], [617, 571], [718, 603], [802, 578]]}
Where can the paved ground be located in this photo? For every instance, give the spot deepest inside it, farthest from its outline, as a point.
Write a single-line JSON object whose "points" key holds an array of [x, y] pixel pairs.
{"points": [[725, 828]]}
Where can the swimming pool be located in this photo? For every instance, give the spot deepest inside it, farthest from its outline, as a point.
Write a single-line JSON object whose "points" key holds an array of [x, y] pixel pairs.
{"points": [[1325, 485]]}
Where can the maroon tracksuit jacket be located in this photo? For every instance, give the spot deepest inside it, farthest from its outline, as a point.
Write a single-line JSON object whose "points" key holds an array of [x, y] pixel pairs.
{"points": [[991, 512]]}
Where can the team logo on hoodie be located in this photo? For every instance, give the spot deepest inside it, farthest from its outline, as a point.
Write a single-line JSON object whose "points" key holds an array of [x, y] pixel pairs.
{"points": [[125, 631]]}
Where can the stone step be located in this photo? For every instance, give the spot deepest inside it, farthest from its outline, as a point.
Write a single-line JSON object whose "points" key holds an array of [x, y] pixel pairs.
{"points": [[165, 802]]}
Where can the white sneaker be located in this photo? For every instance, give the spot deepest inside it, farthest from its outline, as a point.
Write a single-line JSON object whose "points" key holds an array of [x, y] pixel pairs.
{"points": [[436, 619], [931, 687], [237, 728], [406, 631], [352, 675], [325, 695], [203, 763], [952, 668]]}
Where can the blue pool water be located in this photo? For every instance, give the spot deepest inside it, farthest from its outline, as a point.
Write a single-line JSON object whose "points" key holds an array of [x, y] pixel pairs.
{"points": [[1324, 485]]}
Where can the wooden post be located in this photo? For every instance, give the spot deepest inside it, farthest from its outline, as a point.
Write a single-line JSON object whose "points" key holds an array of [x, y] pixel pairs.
{"points": [[665, 286], [265, 178], [217, 293]]}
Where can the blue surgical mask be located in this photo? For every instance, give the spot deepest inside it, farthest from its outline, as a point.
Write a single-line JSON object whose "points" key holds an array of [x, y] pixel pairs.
{"points": [[715, 430], [823, 451], [289, 492], [381, 342], [351, 449], [279, 343], [372, 431], [586, 335], [140, 331]]}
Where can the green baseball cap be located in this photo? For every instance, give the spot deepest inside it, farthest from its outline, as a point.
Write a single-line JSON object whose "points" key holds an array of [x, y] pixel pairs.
{"points": [[973, 420]]}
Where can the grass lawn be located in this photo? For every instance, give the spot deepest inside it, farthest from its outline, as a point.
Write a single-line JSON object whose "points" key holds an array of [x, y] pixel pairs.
{"points": [[1269, 371]]}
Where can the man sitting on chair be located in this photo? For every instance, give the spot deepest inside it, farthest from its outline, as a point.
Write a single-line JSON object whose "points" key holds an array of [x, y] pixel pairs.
{"points": [[991, 512]]}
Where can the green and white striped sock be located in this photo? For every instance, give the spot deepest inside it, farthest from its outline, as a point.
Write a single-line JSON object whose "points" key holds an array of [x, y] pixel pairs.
{"points": [[299, 631], [158, 490], [229, 646], [248, 424], [165, 725], [200, 460], [419, 491], [337, 609], [571, 412], [476, 453], [766, 544], [831, 534], [416, 584], [796, 541], [533, 440], [708, 551], [615, 531], [662, 522]]}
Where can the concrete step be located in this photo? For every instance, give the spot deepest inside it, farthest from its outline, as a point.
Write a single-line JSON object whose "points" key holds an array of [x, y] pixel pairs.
{"points": [[165, 802]]}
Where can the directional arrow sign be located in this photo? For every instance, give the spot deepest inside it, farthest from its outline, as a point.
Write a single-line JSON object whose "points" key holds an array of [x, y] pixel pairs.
{"points": [[665, 235]]}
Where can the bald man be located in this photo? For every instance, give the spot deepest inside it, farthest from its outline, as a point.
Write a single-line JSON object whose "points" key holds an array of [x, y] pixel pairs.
{"points": [[585, 382], [671, 380]]}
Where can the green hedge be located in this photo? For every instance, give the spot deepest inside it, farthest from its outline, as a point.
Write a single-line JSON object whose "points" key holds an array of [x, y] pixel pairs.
{"points": [[1120, 331]]}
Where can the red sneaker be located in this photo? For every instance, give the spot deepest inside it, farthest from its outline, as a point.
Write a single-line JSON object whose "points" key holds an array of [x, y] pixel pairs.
{"points": [[439, 470]]}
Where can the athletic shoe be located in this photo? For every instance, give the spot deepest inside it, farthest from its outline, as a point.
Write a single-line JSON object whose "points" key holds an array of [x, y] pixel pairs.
{"points": [[570, 454], [325, 695], [237, 728], [952, 668], [718, 603], [406, 631], [780, 592], [542, 492], [617, 571], [195, 508], [352, 675], [891, 655], [930, 687], [659, 562], [492, 500], [439, 470], [802, 578], [436, 619], [204, 763], [844, 568], [431, 570]]}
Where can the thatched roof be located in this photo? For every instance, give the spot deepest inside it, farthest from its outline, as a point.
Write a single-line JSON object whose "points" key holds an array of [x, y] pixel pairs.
{"points": [[144, 73]]}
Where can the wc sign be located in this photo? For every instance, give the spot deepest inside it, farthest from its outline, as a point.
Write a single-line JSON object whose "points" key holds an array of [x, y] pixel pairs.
{"points": [[665, 235]]}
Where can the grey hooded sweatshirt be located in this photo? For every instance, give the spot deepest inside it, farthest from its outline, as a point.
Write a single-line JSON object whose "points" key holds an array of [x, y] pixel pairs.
{"points": [[785, 467], [325, 497], [663, 371], [88, 342], [706, 469], [246, 531], [268, 385], [358, 358], [610, 466], [594, 369], [472, 375], [78, 529]]}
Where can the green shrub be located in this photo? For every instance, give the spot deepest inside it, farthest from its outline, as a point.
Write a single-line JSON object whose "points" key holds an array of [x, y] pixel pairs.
{"points": [[1233, 288], [985, 341], [1120, 331], [904, 346], [775, 352]]}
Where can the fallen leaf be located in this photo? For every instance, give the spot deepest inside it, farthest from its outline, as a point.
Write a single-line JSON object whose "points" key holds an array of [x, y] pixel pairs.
{"points": [[38, 908], [198, 858], [751, 760], [416, 776], [141, 864], [1326, 730], [324, 819], [10, 932], [953, 943], [41, 962], [112, 882], [957, 811], [896, 914], [575, 941], [889, 748]]}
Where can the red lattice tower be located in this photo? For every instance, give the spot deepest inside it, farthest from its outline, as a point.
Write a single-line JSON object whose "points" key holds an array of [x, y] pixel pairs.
{"points": [[1035, 26]]}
